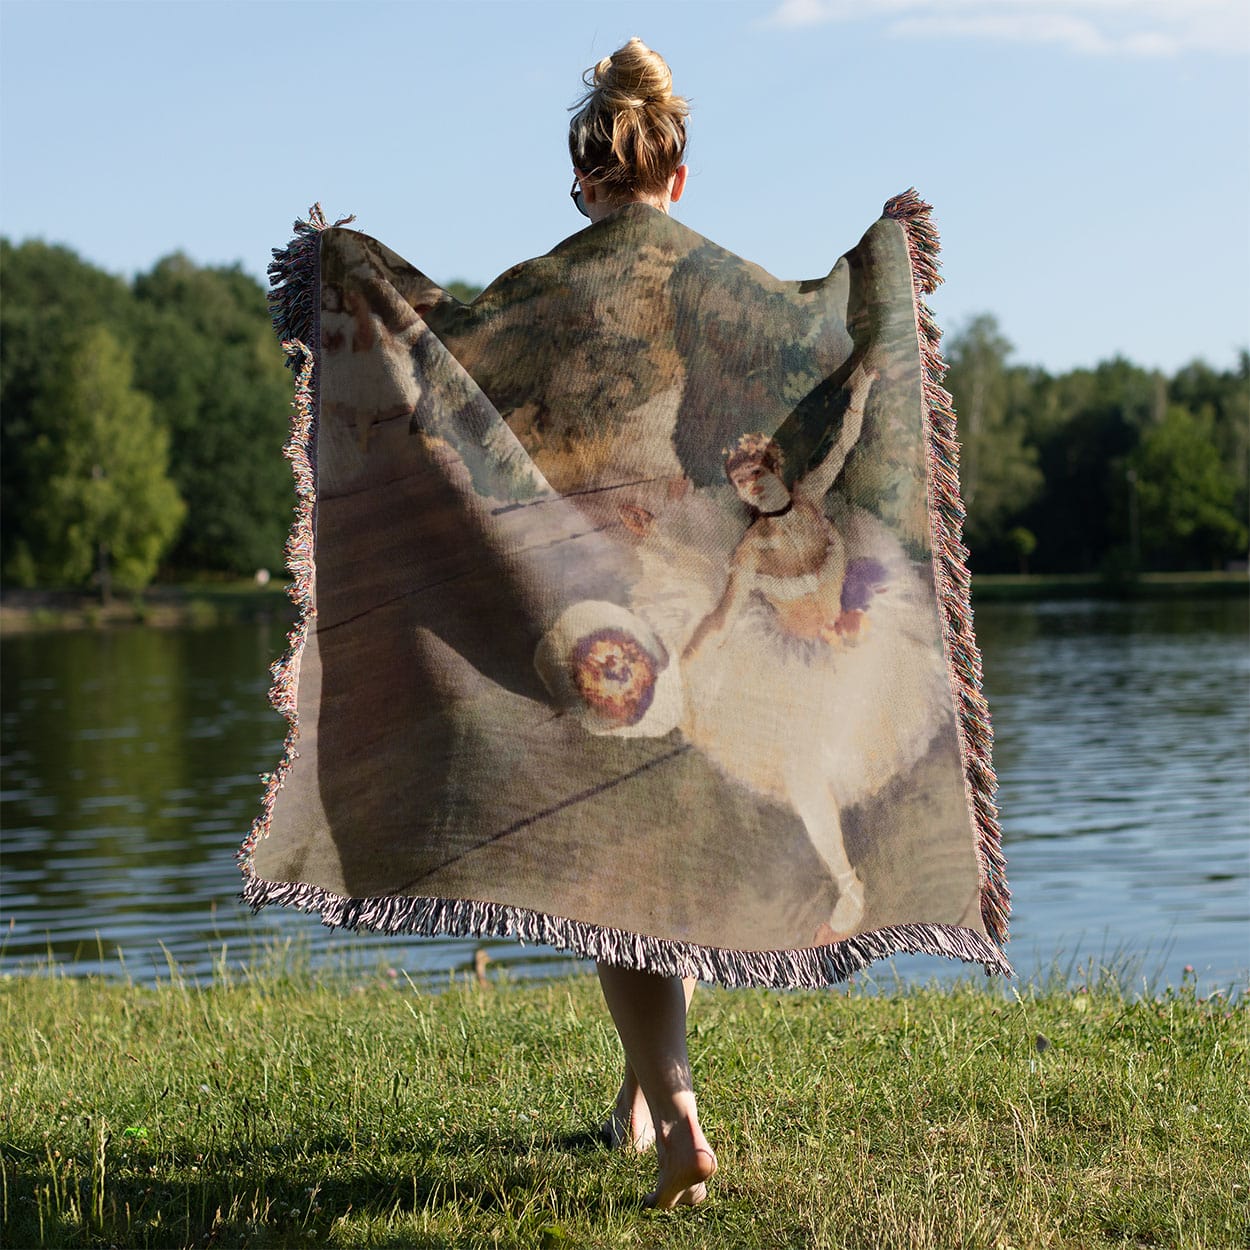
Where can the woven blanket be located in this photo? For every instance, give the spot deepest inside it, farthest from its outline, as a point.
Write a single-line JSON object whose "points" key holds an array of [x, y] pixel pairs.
{"points": [[634, 618]]}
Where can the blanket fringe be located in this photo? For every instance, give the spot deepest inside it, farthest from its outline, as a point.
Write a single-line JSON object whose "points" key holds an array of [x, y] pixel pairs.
{"points": [[809, 968], [950, 563], [295, 280], [295, 276]]}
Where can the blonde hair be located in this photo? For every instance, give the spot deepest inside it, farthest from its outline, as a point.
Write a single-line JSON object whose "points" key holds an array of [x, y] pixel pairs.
{"points": [[629, 131]]}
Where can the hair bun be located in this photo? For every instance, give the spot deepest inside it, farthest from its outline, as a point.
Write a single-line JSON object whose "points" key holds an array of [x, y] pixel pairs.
{"points": [[634, 76], [629, 130]]}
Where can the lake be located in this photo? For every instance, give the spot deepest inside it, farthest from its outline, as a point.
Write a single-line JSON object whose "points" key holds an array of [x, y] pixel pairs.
{"points": [[130, 774]]}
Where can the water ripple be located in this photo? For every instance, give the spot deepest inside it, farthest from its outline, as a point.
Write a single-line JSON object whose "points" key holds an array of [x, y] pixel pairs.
{"points": [[131, 764]]}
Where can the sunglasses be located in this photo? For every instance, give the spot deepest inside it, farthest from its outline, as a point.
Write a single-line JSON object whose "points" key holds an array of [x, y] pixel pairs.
{"points": [[576, 196]]}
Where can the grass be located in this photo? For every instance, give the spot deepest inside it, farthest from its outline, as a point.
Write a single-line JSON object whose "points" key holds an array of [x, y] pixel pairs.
{"points": [[1010, 587], [287, 1109]]}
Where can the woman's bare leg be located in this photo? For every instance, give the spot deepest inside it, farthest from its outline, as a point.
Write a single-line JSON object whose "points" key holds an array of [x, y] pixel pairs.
{"points": [[629, 1124], [650, 1015]]}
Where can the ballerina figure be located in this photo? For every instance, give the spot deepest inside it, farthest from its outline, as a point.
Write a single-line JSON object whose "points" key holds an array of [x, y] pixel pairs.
{"points": [[794, 558], [791, 554]]}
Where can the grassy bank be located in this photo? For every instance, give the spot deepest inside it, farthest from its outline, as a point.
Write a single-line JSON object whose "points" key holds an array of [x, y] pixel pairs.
{"points": [[999, 587], [216, 603], [170, 606], [288, 1111]]}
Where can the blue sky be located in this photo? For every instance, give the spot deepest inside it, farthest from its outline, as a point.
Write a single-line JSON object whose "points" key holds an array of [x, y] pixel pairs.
{"points": [[1089, 160]]}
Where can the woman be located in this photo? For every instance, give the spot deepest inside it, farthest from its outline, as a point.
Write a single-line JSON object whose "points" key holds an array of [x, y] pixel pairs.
{"points": [[552, 680], [628, 142]]}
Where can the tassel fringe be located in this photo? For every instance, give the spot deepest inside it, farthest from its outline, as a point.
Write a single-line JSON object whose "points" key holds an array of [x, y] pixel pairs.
{"points": [[950, 566], [809, 968], [295, 282], [294, 300]]}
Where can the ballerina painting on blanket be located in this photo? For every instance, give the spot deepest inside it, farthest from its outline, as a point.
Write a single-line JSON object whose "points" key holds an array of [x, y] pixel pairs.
{"points": [[794, 558], [791, 554], [800, 654], [858, 695]]}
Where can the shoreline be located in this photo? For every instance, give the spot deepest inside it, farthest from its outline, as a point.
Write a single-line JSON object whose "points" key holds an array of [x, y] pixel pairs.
{"points": [[1026, 587], [175, 606], [203, 604]]}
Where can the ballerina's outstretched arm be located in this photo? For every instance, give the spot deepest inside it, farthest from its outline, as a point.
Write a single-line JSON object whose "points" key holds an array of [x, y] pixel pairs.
{"points": [[815, 484], [737, 591]]}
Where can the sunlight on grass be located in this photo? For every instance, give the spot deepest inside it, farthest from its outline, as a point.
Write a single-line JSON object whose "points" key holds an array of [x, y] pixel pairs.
{"points": [[278, 1107]]}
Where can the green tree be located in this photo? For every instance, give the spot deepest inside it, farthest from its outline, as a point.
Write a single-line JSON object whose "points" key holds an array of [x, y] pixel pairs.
{"points": [[208, 357], [1086, 423], [1221, 398], [51, 296], [1185, 494], [105, 505], [997, 466], [1024, 543], [465, 292]]}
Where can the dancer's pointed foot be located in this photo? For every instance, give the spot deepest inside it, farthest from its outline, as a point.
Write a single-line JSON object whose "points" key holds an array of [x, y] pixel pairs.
{"points": [[848, 911], [686, 1165], [629, 1126]]}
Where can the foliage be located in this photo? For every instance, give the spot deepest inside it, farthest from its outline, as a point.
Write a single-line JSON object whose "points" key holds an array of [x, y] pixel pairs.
{"points": [[998, 467], [205, 358], [1187, 491], [282, 1110], [465, 292], [105, 504], [208, 351], [1114, 468], [1024, 543], [1222, 402], [1078, 461], [51, 298]]}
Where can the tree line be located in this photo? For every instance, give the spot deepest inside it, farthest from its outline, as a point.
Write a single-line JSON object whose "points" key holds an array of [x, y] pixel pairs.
{"points": [[1113, 470], [142, 423]]}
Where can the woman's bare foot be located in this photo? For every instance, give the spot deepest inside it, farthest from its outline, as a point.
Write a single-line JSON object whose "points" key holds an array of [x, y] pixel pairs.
{"points": [[629, 1125], [686, 1165], [649, 1012]]}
